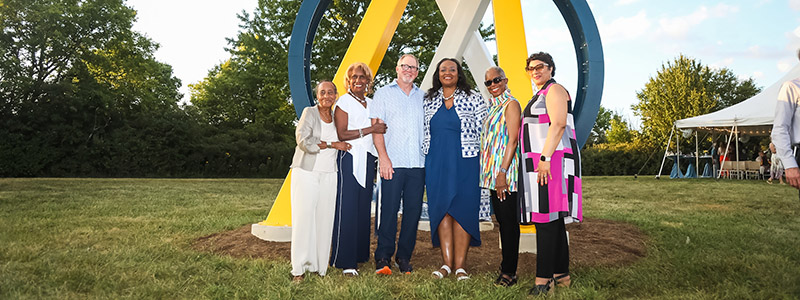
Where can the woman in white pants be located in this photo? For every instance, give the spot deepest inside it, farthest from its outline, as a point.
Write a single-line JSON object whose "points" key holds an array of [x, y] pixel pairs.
{"points": [[314, 185]]}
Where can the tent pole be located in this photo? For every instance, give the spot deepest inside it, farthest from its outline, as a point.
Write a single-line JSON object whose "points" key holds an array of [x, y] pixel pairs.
{"points": [[663, 159], [697, 152], [678, 151], [738, 170], [727, 147]]}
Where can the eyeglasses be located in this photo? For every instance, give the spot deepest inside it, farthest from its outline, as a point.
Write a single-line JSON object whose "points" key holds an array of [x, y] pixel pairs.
{"points": [[495, 80], [406, 67], [538, 67]]}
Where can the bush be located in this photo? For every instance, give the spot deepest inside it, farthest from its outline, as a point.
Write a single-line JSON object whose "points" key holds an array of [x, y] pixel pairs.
{"points": [[620, 159]]}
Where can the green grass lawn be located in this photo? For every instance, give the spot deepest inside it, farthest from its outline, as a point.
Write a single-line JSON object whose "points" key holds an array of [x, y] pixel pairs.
{"points": [[130, 238]]}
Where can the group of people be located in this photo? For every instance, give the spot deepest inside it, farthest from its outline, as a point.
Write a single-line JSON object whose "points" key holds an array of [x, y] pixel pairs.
{"points": [[772, 163], [447, 140]]}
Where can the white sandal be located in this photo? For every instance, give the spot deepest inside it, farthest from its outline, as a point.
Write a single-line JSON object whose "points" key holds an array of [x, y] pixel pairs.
{"points": [[350, 272], [439, 274], [465, 276]]}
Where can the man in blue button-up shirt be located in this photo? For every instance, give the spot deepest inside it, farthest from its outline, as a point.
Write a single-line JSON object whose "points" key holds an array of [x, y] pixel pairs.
{"points": [[401, 164]]}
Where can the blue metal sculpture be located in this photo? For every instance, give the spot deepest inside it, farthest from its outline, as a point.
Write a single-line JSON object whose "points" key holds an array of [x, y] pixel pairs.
{"points": [[303, 32]]}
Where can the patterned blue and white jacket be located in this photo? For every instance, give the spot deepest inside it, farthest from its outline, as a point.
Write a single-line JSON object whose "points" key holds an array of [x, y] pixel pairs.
{"points": [[472, 111]]}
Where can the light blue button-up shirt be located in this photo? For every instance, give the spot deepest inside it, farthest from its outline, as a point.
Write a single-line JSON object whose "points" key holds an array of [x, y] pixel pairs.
{"points": [[403, 115]]}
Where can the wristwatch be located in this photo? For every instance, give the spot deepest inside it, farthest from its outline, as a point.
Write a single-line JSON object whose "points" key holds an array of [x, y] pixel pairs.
{"points": [[504, 170], [328, 144], [544, 158]]}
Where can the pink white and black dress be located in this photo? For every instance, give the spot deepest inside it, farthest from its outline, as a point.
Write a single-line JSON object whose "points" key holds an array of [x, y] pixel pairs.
{"points": [[562, 197]]}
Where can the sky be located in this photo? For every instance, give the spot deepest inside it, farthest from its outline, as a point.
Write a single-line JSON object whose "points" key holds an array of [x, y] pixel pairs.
{"points": [[756, 38]]}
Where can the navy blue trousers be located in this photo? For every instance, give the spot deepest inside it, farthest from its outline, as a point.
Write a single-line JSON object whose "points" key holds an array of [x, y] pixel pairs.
{"points": [[407, 184], [351, 228]]}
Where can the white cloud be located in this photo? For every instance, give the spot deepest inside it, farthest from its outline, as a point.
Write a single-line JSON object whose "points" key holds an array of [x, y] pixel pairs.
{"points": [[794, 4], [784, 65], [625, 2], [758, 75], [722, 10], [679, 27], [754, 50], [793, 40], [625, 28], [722, 64]]}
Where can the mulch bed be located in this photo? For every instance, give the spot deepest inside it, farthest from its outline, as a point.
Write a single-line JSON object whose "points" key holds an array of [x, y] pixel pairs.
{"points": [[594, 242]]}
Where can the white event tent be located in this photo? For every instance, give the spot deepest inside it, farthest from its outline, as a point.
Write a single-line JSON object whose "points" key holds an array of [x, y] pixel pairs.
{"points": [[753, 116]]}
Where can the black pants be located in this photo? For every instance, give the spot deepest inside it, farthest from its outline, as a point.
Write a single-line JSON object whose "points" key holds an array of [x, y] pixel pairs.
{"points": [[552, 255], [506, 214]]}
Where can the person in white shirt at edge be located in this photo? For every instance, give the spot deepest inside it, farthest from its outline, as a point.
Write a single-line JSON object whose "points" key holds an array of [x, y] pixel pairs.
{"points": [[401, 165], [786, 129]]}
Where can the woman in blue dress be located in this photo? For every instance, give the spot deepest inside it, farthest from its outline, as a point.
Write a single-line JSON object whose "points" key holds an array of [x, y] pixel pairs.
{"points": [[453, 118]]}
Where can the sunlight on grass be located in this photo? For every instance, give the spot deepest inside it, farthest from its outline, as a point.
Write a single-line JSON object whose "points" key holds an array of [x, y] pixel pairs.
{"points": [[130, 238]]}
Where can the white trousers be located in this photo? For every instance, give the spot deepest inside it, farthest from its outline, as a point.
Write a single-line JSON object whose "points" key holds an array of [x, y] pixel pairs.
{"points": [[313, 207]]}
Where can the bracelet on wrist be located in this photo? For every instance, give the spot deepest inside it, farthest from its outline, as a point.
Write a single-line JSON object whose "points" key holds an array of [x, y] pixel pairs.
{"points": [[360, 133]]}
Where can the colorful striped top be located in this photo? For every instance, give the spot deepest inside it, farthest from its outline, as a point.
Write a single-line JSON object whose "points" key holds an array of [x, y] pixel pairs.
{"points": [[494, 139]]}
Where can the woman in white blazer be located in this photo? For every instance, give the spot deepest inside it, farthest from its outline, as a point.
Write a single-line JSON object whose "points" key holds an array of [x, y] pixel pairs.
{"points": [[313, 184]]}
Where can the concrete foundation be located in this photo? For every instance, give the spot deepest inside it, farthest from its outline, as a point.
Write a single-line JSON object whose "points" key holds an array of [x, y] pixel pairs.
{"points": [[272, 233]]}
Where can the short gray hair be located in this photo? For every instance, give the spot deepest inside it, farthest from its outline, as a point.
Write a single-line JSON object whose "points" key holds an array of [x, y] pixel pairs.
{"points": [[400, 60], [316, 88], [499, 70]]}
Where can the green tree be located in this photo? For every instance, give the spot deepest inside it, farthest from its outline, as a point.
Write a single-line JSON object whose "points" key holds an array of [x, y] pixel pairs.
{"points": [[685, 88], [601, 126], [82, 95], [619, 131]]}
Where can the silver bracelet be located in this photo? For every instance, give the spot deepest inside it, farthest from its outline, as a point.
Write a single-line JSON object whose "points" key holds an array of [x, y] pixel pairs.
{"points": [[360, 134]]}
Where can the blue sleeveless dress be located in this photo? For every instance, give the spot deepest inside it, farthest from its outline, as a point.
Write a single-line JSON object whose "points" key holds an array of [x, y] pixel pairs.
{"points": [[452, 181]]}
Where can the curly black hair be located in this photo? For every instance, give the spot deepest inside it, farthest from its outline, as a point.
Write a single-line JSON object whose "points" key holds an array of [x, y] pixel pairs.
{"points": [[462, 83], [546, 58]]}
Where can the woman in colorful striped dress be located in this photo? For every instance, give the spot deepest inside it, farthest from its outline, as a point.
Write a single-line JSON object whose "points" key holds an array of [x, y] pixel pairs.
{"points": [[550, 173], [499, 168]]}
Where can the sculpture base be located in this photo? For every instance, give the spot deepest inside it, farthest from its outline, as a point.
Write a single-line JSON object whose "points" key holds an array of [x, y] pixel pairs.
{"points": [[272, 233]]}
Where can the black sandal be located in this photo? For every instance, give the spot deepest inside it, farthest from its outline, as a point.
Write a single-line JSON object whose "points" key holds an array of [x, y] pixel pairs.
{"points": [[562, 276], [542, 289], [505, 280]]}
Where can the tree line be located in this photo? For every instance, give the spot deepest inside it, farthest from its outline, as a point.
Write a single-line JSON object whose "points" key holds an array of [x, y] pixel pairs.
{"points": [[81, 93], [682, 88]]}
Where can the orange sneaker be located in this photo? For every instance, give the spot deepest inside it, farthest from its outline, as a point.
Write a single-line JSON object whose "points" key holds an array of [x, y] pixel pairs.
{"points": [[382, 267]]}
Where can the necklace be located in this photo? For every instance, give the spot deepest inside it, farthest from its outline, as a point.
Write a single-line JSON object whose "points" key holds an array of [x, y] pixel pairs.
{"points": [[359, 99], [326, 115], [451, 96]]}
